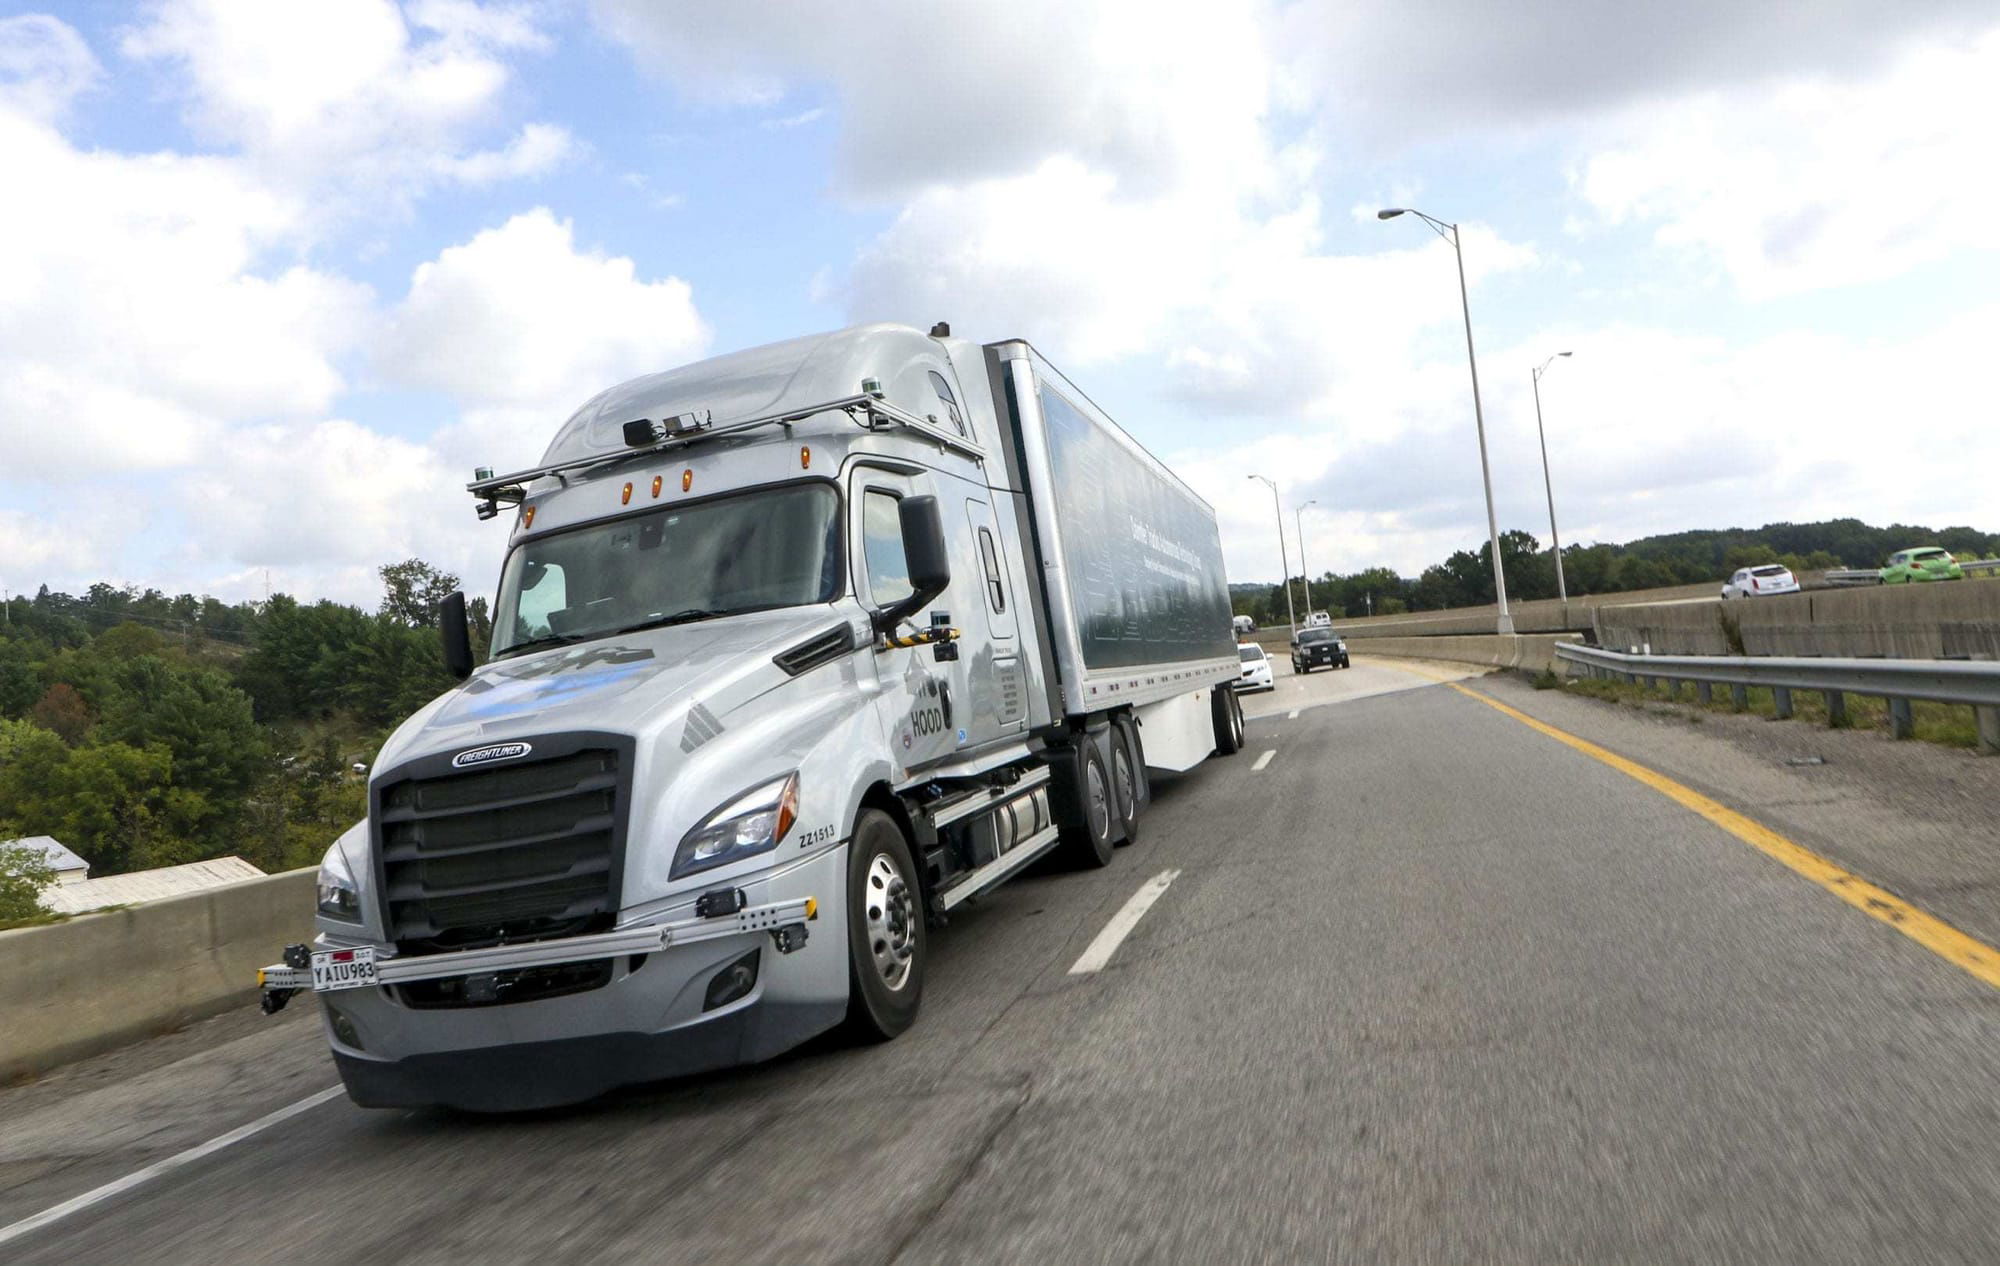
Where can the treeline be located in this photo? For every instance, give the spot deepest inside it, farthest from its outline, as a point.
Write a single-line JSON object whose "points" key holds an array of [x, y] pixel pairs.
{"points": [[1681, 558], [143, 730]]}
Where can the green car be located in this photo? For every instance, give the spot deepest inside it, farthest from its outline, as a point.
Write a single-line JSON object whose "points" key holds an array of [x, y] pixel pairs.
{"points": [[1927, 562]]}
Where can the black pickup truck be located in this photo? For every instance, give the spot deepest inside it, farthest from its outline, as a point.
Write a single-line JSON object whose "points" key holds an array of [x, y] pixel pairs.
{"points": [[1317, 648]]}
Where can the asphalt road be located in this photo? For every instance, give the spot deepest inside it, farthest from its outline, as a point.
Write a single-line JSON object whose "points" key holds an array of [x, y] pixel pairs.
{"points": [[1427, 986]]}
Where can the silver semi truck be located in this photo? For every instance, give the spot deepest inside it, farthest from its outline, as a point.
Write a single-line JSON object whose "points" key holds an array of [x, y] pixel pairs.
{"points": [[795, 651]]}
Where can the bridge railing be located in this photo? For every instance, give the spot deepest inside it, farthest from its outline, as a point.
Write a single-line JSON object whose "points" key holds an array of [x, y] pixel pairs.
{"points": [[1900, 681]]}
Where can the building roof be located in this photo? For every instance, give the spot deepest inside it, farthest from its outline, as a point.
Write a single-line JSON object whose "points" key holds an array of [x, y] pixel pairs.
{"points": [[59, 856], [147, 885]]}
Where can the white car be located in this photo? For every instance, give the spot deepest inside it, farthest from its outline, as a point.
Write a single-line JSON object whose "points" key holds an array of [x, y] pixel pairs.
{"points": [[1759, 582], [1256, 669]]}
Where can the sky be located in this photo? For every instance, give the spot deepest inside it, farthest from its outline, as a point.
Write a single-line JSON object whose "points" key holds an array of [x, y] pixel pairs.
{"points": [[275, 276]]}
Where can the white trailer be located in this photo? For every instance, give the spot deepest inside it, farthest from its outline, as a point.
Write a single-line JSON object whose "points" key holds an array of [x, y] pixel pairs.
{"points": [[795, 650]]}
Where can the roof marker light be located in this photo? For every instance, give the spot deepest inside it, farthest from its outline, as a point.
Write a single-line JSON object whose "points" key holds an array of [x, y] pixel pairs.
{"points": [[687, 479], [527, 516], [657, 479], [805, 457], [625, 497]]}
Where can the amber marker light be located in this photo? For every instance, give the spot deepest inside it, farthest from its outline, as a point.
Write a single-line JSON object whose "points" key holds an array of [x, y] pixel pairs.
{"points": [[805, 457], [687, 479], [527, 516], [625, 497], [657, 481]]}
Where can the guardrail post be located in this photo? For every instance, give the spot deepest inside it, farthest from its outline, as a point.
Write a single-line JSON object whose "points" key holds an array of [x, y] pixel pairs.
{"points": [[1988, 721], [1739, 696], [1901, 723], [1704, 692], [1781, 697], [1836, 708]]}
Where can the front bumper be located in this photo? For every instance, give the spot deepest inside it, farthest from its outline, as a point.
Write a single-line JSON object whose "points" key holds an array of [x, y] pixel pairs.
{"points": [[650, 1019]]}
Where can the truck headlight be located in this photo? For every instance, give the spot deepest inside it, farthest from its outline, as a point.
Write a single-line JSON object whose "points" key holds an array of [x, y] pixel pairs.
{"points": [[339, 895], [751, 823]]}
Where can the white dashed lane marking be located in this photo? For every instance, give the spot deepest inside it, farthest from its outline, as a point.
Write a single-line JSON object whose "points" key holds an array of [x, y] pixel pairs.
{"points": [[1106, 943]]}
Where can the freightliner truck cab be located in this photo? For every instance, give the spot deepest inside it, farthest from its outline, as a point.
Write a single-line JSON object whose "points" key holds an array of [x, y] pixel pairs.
{"points": [[794, 650]]}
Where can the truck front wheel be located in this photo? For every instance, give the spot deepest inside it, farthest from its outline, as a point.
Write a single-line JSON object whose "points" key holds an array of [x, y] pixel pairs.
{"points": [[885, 930]]}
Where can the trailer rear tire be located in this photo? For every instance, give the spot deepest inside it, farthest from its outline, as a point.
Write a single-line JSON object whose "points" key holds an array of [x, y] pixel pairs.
{"points": [[885, 930], [1128, 779], [1083, 805], [1228, 715]]}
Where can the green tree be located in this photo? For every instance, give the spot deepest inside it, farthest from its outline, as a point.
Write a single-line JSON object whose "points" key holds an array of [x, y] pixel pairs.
{"points": [[24, 873], [195, 714], [411, 591]]}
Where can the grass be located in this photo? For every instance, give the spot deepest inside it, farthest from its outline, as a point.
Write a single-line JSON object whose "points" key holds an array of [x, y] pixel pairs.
{"points": [[1949, 725]]}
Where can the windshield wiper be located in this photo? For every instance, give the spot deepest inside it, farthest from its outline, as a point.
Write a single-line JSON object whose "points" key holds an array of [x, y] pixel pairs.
{"points": [[538, 643], [659, 622]]}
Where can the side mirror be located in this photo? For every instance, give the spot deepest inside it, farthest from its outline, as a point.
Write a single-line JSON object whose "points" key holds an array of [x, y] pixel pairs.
{"points": [[925, 554], [457, 634]]}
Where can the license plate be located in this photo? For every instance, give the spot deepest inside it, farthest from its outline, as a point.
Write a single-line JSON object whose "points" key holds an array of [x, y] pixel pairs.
{"points": [[344, 969]]}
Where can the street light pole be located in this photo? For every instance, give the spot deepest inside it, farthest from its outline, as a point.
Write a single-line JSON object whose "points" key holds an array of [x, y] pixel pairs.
{"points": [[1305, 572], [1449, 232], [1555, 542], [1284, 558]]}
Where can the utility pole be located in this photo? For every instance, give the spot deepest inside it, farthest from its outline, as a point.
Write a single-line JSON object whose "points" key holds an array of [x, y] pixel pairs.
{"points": [[1305, 572], [1284, 558]]}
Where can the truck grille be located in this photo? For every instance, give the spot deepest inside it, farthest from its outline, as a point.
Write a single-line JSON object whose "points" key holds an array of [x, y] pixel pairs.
{"points": [[518, 852]]}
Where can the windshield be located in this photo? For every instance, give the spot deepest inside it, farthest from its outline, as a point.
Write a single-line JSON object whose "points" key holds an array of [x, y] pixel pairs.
{"points": [[1250, 654], [776, 547], [1315, 635]]}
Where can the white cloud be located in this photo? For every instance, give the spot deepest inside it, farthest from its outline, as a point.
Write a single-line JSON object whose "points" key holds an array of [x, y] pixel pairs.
{"points": [[137, 310], [345, 98], [1816, 183], [1151, 91], [520, 326], [44, 65]]}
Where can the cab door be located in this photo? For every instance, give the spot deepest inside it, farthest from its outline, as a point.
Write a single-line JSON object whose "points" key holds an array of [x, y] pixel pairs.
{"points": [[995, 672], [920, 705]]}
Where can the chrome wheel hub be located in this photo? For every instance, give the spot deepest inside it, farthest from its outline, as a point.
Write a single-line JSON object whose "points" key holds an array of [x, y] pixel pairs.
{"points": [[890, 910]]}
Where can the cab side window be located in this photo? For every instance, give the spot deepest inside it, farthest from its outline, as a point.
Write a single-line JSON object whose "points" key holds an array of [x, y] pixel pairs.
{"points": [[949, 403], [882, 548]]}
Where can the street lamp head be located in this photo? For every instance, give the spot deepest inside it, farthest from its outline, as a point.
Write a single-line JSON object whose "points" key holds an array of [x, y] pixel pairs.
{"points": [[1562, 353], [1390, 213]]}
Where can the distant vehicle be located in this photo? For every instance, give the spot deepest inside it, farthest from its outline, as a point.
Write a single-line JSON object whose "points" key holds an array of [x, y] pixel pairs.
{"points": [[1926, 562], [1318, 620], [1256, 669], [1244, 624], [1760, 582], [1317, 648]]}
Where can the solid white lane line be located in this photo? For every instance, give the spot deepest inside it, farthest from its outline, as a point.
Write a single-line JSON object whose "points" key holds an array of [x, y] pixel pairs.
{"points": [[1100, 950], [137, 1178], [1264, 760], [1293, 715]]}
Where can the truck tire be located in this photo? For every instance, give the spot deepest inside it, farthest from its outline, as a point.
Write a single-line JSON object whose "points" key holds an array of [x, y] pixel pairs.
{"points": [[1083, 806], [885, 930], [1128, 779], [1228, 715]]}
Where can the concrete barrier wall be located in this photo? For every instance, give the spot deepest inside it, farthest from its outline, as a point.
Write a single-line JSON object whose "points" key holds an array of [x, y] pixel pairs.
{"points": [[1952, 619], [1548, 615], [72, 989], [1531, 651]]}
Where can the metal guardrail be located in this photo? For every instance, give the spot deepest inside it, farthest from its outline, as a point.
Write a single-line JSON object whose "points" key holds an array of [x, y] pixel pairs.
{"points": [[1873, 576], [1973, 683]]}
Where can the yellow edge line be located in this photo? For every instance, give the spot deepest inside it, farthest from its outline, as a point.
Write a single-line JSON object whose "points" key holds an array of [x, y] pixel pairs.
{"points": [[1935, 935]]}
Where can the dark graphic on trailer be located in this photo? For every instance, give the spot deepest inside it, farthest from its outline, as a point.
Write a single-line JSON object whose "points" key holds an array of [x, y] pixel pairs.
{"points": [[1145, 565]]}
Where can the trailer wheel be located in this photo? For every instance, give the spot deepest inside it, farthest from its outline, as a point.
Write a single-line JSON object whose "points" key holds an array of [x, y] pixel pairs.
{"points": [[1083, 805], [1128, 779], [1228, 714], [885, 930]]}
